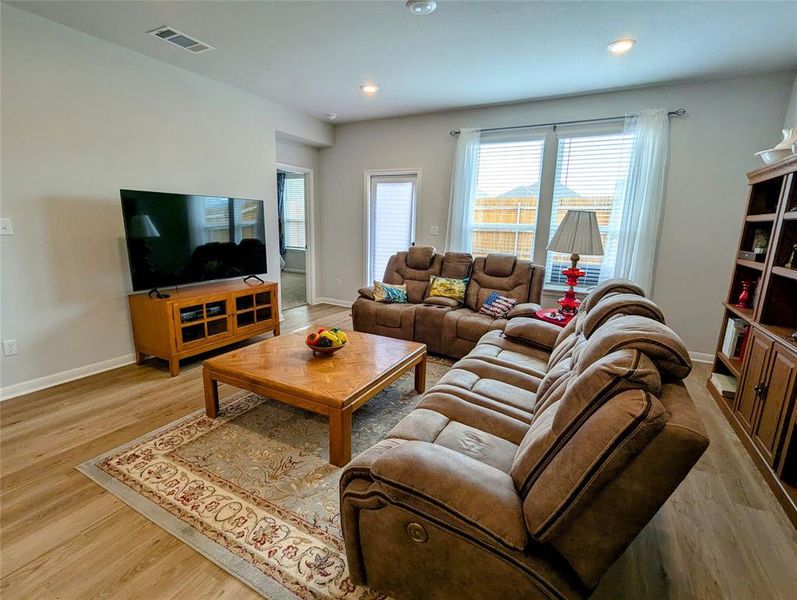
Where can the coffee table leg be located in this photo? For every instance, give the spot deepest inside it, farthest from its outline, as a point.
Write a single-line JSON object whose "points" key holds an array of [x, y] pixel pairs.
{"points": [[340, 437], [211, 395], [420, 376]]}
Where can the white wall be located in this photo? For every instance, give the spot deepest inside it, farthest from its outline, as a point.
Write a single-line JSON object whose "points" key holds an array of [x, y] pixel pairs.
{"points": [[791, 112], [711, 150], [82, 118]]}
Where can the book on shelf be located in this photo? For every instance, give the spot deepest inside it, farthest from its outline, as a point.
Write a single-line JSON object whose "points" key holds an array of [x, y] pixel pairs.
{"points": [[734, 334], [725, 384]]}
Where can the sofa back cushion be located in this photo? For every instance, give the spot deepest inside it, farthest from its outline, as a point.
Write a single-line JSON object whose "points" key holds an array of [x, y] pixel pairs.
{"points": [[502, 273], [601, 448], [568, 399], [660, 343], [610, 286], [399, 271], [457, 265], [619, 304], [613, 508]]}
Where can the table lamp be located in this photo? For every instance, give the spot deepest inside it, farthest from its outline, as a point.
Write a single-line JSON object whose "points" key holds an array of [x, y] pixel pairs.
{"points": [[577, 234]]}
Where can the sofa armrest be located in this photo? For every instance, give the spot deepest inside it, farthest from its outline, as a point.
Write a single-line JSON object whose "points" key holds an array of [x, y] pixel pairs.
{"points": [[533, 331], [526, 309], [482, 496], [366, 292]]}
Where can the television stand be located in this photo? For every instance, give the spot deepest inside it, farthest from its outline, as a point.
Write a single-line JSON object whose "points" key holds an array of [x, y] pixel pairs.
{"points": [[158, 294], [255, 277], [199, 318]]}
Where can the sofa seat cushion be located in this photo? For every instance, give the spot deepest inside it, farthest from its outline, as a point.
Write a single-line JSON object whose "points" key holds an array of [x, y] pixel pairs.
{"points": [[392, 315], [426, 425], [467, 325], [493, 347], [480, 445], [486, 414], [495, 389]]}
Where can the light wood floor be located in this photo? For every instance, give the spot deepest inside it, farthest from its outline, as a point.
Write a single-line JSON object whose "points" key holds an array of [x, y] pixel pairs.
{"points": [[722, 535]]}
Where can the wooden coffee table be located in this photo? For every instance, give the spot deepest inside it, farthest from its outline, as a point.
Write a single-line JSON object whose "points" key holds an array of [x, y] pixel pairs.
{"points": [[283, 368]]}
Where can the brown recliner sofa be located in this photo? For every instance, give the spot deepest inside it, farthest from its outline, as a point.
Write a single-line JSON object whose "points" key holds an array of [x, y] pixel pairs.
{"points": [[442, 324], [531, 466]]}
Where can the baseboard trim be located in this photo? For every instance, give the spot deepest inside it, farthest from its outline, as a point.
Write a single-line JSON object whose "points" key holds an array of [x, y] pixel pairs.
{"points": [[701, 357], [287, 270], [48, 381], [333, 302]]}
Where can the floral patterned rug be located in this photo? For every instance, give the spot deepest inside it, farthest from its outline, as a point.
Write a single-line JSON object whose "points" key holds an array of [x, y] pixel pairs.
{"points": [[252, 490]]}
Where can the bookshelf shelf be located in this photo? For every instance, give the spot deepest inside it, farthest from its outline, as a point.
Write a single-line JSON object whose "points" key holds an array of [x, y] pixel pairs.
{"points": [[762, 218], [763, 411], [784, 272], [750, 264], [733, 364]]}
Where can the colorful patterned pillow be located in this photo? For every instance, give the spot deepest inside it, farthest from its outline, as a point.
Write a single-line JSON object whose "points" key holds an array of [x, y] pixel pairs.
{"points": [[497, 306], [445, 287], [385, 292]]}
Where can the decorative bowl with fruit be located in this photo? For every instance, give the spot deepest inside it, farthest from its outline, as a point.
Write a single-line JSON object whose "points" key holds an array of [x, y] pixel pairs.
{"points": [[326, 341]]}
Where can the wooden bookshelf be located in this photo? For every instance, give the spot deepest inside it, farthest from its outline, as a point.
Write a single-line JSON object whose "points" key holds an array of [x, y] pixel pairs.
{"points": [[764, 411]]}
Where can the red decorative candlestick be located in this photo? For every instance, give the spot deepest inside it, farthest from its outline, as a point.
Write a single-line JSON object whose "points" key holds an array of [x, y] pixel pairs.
{"points": [[744, 297]]}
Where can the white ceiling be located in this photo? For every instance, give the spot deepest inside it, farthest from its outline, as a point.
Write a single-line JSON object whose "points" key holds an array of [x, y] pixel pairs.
{"points": [[314, 55]]}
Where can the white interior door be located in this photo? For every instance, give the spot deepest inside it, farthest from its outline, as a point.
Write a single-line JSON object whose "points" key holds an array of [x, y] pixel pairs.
{"points": [[392, 200]]}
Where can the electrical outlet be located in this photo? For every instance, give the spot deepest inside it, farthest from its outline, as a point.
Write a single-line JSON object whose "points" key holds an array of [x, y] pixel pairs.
{"points": [[6, 228], [434, 230], [337, 281], [9, 347]]}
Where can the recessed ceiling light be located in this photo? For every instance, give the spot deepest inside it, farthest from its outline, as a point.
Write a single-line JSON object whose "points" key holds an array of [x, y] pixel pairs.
{"points": [[421, 7], [332, 116], [621, 46], [369, 88]]}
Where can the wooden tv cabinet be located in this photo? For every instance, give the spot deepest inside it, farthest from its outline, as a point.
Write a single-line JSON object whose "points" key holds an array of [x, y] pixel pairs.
{"points": [[195, 319]]}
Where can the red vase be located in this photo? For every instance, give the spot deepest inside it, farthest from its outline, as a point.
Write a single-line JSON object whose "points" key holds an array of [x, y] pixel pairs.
{"points": [[744, 297]]}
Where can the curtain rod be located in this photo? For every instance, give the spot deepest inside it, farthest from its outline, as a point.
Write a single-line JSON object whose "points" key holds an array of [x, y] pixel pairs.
{"points": [[680, 112]]}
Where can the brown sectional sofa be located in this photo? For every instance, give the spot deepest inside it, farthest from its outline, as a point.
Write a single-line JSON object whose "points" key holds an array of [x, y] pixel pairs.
{"points": [[532, 464], [443, 325]]}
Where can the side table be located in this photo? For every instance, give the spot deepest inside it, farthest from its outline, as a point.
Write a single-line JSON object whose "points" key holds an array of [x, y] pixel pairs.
{"points": [[552, 315]]}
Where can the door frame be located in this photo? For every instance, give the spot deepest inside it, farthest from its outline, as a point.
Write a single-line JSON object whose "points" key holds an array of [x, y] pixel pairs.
{"points": [[369, 173], [309, 228]]}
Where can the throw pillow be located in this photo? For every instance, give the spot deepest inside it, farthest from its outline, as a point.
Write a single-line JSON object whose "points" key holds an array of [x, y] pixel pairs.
{"points": [[385, 292], [497, 305], [446, 287]]}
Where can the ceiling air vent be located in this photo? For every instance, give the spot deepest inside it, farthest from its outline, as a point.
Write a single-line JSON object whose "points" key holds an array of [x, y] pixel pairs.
{"points": [[178, 38]]}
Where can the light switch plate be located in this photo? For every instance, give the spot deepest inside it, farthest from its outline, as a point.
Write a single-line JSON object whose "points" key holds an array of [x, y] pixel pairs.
{"points": [[6, 228], [10, 347], [434, 230]]}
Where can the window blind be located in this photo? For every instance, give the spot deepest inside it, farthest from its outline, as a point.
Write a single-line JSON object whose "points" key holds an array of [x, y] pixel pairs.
{"points": [[591, 174], [294, 212], [507, 197], [392, 219]]}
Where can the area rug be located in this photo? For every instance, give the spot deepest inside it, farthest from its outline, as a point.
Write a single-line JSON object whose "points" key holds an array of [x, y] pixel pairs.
{"points": [[252, 490]]}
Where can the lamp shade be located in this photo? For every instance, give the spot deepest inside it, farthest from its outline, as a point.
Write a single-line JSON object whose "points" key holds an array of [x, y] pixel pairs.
{"points": [[578, 233], [141, 226]]}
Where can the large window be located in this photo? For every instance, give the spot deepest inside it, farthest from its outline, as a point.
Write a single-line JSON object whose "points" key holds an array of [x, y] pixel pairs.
{"points": [[391, 218], [591, 172], [588, 171], [507, 196], [294, 211]]}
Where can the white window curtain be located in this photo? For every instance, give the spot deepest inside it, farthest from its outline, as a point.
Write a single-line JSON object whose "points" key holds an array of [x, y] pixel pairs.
{"points": [[463, 191], [642, 199]]}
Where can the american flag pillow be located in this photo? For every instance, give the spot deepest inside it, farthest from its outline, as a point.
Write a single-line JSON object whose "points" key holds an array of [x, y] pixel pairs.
{"points": [[497, 306]]}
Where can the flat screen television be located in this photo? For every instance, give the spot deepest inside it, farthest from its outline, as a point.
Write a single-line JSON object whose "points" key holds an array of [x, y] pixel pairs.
{"points": [[177, 239]]}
